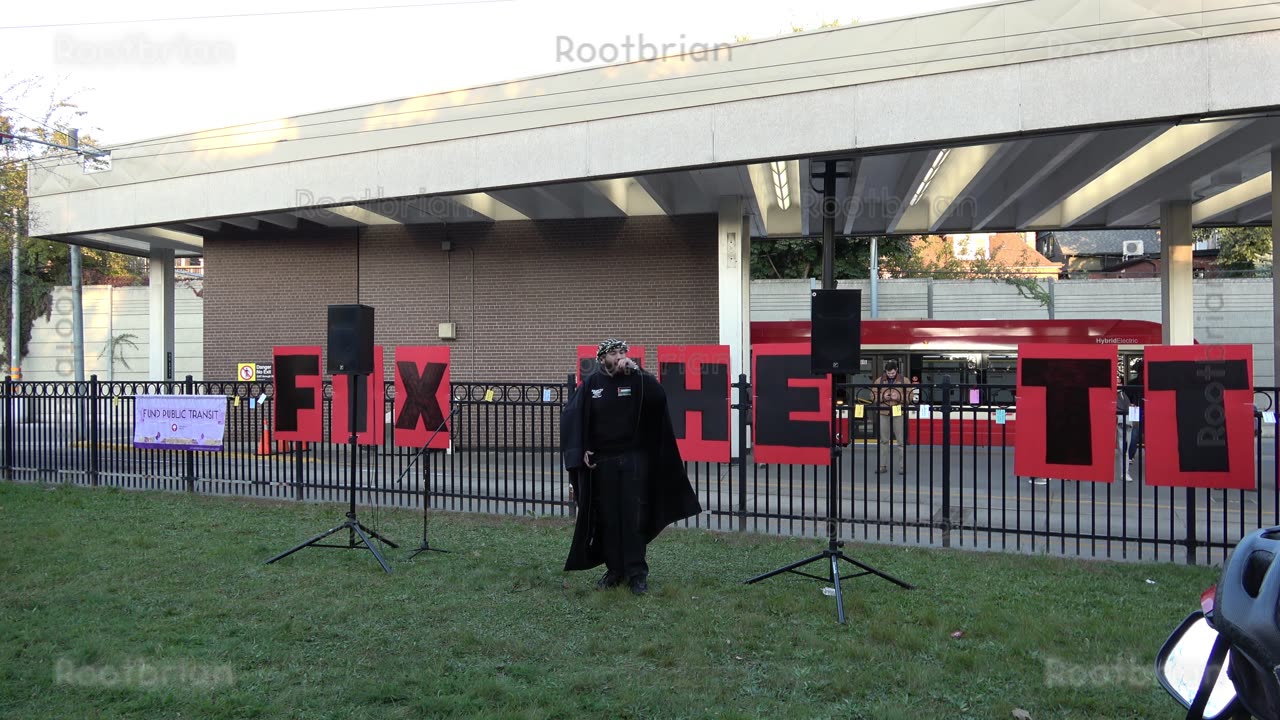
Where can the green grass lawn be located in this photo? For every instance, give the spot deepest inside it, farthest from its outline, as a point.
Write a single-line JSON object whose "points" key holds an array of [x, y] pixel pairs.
{"points": [[116, 604]]}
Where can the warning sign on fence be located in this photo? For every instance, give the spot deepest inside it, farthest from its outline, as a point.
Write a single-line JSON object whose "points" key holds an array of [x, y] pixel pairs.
{"points": [[253, 372]]}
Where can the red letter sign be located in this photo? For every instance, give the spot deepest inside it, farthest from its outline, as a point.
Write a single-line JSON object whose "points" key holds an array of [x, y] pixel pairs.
{"points": [[1199, 416], [369, 416], [423, 397], [299, 414], [1066, 409], [792, 408], [696, 380]]}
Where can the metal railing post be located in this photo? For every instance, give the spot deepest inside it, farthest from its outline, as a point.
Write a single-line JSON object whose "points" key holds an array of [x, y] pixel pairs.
{"points": [[299, 467], [190, 460], [9, 436], [744, 416], [1192, 542], [946, 461], [569, 385], [93, 430]]}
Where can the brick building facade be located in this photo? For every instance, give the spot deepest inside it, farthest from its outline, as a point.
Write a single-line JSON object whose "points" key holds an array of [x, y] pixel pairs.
{"points": [[522, 294]]}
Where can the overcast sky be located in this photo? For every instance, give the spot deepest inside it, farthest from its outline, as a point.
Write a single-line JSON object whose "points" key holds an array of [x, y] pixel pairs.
{"points": [[164, 76]]}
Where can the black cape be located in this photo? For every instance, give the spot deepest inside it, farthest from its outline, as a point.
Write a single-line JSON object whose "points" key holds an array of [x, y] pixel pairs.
{"points": [[671, 496]]}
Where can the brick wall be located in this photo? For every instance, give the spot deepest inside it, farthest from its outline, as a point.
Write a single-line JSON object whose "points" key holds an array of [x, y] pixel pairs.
{"points": [[270, 290], [522, 294]]}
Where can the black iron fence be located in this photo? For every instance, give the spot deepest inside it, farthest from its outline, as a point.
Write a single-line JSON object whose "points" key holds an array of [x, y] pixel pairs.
{"points": [[951, 485]]}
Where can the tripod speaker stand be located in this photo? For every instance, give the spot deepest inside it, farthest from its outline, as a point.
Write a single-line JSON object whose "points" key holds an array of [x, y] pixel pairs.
{"points": [[833, 554], [835, 318], [351, 354], [352, 523]]}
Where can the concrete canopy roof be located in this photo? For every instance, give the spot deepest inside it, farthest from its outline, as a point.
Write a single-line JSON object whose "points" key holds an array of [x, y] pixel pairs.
{"points": [[1008, 116]]}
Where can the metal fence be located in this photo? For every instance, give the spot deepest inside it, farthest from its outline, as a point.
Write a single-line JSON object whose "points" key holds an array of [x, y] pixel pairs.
{"points": [[953, 486]]}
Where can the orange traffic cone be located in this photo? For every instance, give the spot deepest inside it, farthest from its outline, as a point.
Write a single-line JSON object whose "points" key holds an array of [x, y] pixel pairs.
{"points": [[264, 445], [282, 446]]}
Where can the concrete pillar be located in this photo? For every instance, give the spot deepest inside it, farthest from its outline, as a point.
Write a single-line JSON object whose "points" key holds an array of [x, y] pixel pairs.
{"points": [[875, 277], [745, 311], [1275, 276], [1176, 308], [734, 263], [161, 304]]}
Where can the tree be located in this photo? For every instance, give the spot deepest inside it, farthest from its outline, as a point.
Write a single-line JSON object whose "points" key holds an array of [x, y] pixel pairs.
{"points": [[115, 349], [937, 259], [793, 258], [901, 256], [44, 263], [823, 25], [1243, 248]]}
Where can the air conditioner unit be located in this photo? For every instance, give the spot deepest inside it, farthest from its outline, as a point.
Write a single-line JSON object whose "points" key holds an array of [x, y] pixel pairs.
{"points": [[1132, 248]]}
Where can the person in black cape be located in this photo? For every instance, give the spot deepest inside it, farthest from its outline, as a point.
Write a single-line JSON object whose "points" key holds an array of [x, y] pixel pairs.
{"points": [[629, 482]]}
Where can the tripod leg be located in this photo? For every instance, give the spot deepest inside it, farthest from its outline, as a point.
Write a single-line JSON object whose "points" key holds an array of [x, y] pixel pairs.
{"points": [[874, 571], [375, 535], [312, 541], [355, 527], [788, 568], [424, 547], [835, 580]]}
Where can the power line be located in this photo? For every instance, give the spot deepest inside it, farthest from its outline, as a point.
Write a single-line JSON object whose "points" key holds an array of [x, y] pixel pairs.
{"points": [[64, 131], [50, 161], [249, 15]]}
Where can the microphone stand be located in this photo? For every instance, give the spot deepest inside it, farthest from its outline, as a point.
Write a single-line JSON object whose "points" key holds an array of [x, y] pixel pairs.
{"points": [[426, 483]]}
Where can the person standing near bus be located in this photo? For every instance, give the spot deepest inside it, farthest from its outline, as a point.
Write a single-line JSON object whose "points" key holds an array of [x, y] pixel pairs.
{"points": [[1135, 397], [893, 394]]}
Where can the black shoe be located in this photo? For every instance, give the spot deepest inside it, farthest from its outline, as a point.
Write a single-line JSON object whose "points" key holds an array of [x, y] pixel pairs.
{"points": [[639, 585], [608, 581]]}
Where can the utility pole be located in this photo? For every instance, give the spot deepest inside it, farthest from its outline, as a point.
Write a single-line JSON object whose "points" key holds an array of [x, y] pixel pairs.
{"points": [[77, 315], [15, 327], [15, 369], [5, 139], [77, 300]]}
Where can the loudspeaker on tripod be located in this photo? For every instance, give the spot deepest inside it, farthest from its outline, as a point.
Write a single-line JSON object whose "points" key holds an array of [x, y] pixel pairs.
{"points": [[350, 340], [350, 353], [835, 317]]}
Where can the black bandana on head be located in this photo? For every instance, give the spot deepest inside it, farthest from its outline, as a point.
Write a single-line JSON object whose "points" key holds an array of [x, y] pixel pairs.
{"points": [[607, 345]]}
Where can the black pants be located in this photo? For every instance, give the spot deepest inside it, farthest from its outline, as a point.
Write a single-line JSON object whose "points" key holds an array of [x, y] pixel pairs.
{"points": [[621, 505]]}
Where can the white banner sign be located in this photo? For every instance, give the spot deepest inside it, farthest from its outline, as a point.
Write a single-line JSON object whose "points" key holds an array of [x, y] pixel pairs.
{"points": [[179, 422]]}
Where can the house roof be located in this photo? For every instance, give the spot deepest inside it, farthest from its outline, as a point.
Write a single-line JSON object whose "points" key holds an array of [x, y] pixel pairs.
{"points": [[1103, 242], [1008, 250], [1011, 250]]}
